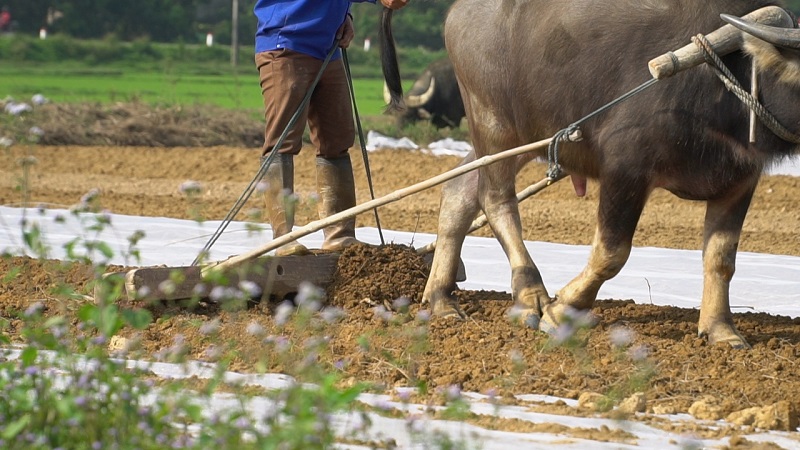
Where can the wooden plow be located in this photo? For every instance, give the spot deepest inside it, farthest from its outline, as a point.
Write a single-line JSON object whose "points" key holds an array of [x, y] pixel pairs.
{"points": [[281, 276]]}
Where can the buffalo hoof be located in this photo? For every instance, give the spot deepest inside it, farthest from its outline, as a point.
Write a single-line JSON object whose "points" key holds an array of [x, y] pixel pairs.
{"points": [[448, 309], [549, 323], [725, 335], [557, 314], [529, 317]]}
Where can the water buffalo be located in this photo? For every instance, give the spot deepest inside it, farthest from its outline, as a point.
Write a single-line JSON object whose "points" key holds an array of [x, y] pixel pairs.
{"points": [[434, 97], [529, 68]]}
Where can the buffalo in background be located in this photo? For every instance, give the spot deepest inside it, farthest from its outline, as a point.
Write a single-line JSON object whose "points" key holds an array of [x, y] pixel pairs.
{"points": [[434, 97]]}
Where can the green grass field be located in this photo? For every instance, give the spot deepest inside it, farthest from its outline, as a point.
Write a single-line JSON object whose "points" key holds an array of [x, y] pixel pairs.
{"points": [[220, 86]]}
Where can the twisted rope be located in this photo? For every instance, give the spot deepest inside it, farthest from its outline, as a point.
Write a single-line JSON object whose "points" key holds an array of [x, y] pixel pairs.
{"points": [[736, 88]]}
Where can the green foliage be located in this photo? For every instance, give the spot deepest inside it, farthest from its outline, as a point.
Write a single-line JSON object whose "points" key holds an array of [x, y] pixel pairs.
{"points": [[144, 53], [424, 131], [188, 21], [161, 20], [418, 25], [65, 390], [62, 48], [156, 83], [305, 419]]}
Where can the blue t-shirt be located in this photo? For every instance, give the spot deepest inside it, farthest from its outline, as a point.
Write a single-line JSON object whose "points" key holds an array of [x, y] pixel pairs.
{"points": [[305, 26]]}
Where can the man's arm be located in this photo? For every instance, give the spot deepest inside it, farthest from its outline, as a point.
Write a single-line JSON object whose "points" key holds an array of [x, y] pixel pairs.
{"points": [[391, 4], [346, 33], [394, 4]]}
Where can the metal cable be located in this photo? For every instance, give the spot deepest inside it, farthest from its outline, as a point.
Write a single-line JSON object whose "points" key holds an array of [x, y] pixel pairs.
{"points": [[736, 88], [361, 140], [265, 162]]}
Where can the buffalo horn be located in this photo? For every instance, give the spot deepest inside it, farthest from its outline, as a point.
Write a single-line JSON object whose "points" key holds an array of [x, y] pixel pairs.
{"points": [[778, 36], [415, 101]]}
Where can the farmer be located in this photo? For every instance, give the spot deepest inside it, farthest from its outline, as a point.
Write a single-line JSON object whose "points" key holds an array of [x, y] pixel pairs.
{"points": [[292, 40], [5, 20]]}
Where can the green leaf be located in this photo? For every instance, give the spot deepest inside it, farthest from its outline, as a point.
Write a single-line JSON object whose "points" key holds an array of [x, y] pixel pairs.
{"points": [[29, 355], [13, 273], [347, 396], [69, 248], [65, 406], [64, 290], [15, 427], [194, 412], [137, 318], [105, 249], [109, 320], [31, 237], [53, 321], [87, 312]]}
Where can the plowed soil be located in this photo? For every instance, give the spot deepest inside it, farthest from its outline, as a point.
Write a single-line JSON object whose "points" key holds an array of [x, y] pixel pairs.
{"points": [[391, 342]]}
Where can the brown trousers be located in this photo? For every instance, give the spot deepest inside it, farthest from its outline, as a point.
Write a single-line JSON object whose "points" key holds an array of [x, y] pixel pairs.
{"points": [[285, 77]]}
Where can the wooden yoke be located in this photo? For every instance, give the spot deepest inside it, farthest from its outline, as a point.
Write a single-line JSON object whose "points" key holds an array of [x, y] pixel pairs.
{"points": [[724, 40]]}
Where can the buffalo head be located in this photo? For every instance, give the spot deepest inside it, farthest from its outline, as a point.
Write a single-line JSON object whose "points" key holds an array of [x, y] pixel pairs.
{"points": [[434, 97]]}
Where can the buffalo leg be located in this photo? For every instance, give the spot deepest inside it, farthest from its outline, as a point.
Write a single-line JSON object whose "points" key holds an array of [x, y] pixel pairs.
{"points": [[499, 202], [723, 227], [498, 199], [492, 188], [620, 206], [459, 206]]}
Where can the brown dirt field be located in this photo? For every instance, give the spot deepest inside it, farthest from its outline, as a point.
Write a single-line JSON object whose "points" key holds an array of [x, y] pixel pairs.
{"points": [[486, 351]]}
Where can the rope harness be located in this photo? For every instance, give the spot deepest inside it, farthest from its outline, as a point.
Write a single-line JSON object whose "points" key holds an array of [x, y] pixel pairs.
{"points": [[736, 88], [572, 133]]}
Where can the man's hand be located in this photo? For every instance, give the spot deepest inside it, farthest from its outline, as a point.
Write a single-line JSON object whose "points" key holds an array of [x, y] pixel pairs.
{"points": [[394, 4], [345, 33]]}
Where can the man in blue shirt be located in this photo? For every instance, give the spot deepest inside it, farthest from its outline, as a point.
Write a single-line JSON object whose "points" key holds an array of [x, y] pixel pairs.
{"points": [[292, 40]]}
